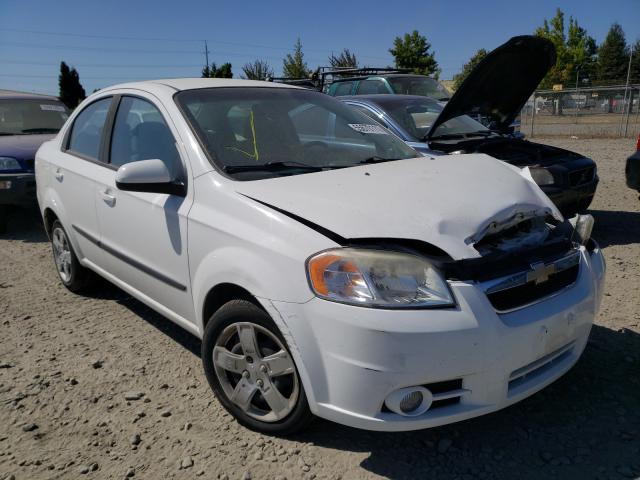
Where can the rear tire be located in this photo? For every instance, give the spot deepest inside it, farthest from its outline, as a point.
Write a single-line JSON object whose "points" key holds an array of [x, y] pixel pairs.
{"points": [[72, 275], [253, 374]]}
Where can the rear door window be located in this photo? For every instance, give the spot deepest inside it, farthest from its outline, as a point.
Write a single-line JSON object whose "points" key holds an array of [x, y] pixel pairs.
{"points": [[86, 133]]}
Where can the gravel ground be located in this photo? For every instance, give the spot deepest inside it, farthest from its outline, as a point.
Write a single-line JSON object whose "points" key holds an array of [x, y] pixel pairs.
{"points": [[99, 386]]}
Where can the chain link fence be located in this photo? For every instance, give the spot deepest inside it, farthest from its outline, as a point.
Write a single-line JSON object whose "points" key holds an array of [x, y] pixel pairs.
{"points": [[583, 112]]}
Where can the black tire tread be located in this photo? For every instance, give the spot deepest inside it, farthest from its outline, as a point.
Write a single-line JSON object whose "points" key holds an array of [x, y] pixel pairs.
{"points": [[230, 312]]}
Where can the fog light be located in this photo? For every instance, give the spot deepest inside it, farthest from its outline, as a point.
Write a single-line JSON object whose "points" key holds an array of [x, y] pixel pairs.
{"points": [[410, 401], [5, 185]]}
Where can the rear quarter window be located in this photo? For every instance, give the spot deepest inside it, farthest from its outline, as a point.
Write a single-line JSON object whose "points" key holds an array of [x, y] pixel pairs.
{"points": [[86, 131]]}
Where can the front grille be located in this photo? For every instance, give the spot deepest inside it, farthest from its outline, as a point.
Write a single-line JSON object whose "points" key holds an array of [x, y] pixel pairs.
{"points": [[542, 279], [530, 372], [530, 292], [581, 177]]}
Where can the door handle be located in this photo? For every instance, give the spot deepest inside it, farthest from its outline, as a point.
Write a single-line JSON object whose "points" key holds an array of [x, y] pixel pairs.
{"points": [[59, 176], [108, 198]]}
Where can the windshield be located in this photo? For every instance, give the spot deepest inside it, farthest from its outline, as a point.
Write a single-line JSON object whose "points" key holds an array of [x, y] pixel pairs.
{"points": [[254, 133], [417, 115], [423, 86], [26, 116]]}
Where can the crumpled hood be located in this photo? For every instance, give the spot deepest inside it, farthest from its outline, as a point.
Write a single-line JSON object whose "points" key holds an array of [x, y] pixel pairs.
{"points": [[22, 147], [444, 201]]}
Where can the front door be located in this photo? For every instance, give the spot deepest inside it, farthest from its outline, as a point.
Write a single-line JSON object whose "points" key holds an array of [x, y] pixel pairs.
{"points": [[144, 235]]}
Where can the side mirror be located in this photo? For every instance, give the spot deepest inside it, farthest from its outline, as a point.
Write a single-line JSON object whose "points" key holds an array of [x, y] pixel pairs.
{"points": [[148, 176]]}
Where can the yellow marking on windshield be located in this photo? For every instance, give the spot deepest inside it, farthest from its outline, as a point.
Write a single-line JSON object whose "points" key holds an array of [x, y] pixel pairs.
{"points": [[255, 155]]}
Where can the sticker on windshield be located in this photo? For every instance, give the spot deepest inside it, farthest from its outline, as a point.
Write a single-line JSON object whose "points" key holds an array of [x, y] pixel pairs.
{"points": [[52, 108], [364, 128]]}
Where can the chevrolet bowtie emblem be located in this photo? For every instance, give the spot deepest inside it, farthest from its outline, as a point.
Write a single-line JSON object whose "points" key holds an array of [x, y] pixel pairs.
{"points": [[540, 272]]}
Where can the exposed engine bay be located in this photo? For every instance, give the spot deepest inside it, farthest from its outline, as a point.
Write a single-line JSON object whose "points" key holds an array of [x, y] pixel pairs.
{"points": [[512, 150]]}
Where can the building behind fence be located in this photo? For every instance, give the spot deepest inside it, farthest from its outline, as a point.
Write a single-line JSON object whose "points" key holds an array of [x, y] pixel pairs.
{"points": [[583, 112]]}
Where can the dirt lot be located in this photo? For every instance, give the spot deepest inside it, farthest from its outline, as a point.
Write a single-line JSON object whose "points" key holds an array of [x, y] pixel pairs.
{"points": [[68, 361], [587, 124]]}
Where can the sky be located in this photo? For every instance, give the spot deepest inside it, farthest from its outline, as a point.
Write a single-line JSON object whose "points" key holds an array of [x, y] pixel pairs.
{"points": [[115, 41]]}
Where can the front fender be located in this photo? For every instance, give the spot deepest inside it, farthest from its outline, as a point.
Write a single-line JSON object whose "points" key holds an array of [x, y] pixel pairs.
{"points": [[271, 277]]}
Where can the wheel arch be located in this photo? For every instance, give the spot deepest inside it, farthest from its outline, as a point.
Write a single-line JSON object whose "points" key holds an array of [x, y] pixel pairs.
{"points": [[222, 293], [49, 216]]}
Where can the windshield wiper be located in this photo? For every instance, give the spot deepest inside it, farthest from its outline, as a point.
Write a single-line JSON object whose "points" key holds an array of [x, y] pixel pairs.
{"points": [[376, 159], [40, 130], [447, 136], [273, 166], [457, 136]]}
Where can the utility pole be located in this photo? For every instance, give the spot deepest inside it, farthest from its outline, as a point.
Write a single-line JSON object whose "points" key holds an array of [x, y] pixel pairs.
{"points": [[626, 89], [626, 126], [206, 54]]}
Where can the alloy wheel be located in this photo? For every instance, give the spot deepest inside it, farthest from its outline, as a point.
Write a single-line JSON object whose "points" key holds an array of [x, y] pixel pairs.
{"points": [[256, 372], [62, 254]]}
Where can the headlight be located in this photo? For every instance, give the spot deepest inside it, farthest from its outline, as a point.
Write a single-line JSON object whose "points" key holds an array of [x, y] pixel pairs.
{"points": [[8, 163], [541, 176], [376, 278], [583, 226]]}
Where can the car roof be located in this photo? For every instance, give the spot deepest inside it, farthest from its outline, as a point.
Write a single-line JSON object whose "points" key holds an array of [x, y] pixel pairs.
{"points": [[386, 98], [13, 94], [377, 75], [179, 84]]}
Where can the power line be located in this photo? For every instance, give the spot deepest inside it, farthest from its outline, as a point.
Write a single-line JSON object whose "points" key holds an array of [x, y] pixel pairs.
{"points": [[97, 49], [132, 50], [100, 65], [160, 39], [17, 75]]}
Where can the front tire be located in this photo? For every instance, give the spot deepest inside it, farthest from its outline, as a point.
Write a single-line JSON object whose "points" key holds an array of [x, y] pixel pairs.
{"points": [[73, 275], [252, 372], [4, 220]]}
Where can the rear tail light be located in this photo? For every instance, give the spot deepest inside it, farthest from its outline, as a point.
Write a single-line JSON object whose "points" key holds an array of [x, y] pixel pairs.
{"points": [[638, 143]]}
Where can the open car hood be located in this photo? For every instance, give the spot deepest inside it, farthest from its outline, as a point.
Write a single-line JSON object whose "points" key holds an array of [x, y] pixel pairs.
{"points": [[501, 83], [445, 201]]}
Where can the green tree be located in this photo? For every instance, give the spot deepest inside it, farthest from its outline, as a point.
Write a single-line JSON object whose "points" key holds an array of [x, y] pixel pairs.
{"points": [[412, 52], [257, 70], [224, 71], [346, 59], [468, 67], [294, 66], [613, 57], [575, 51], [71, 90]]}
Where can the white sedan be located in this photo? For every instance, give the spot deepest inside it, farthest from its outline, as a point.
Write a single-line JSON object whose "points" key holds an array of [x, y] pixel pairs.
{"points": [[328, 268]]}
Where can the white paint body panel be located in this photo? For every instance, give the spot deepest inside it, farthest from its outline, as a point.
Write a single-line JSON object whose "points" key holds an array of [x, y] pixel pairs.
{"points": [[349, 358]]}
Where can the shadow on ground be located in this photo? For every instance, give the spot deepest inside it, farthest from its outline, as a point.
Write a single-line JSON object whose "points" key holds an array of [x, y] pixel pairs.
{"points": [[586, 425], [616, 227], [24, 224]]}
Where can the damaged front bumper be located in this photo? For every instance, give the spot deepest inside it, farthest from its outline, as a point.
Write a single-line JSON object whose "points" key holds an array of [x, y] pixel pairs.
{"points": [[473, 359]]}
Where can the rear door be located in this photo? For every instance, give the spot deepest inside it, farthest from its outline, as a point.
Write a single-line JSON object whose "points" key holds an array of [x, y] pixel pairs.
{"points": [[144, 235], [74, 170]]}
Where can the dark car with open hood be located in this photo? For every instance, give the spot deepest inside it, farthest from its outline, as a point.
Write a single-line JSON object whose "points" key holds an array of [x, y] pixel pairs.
{"points": [[495, 91], [27, 120]]}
